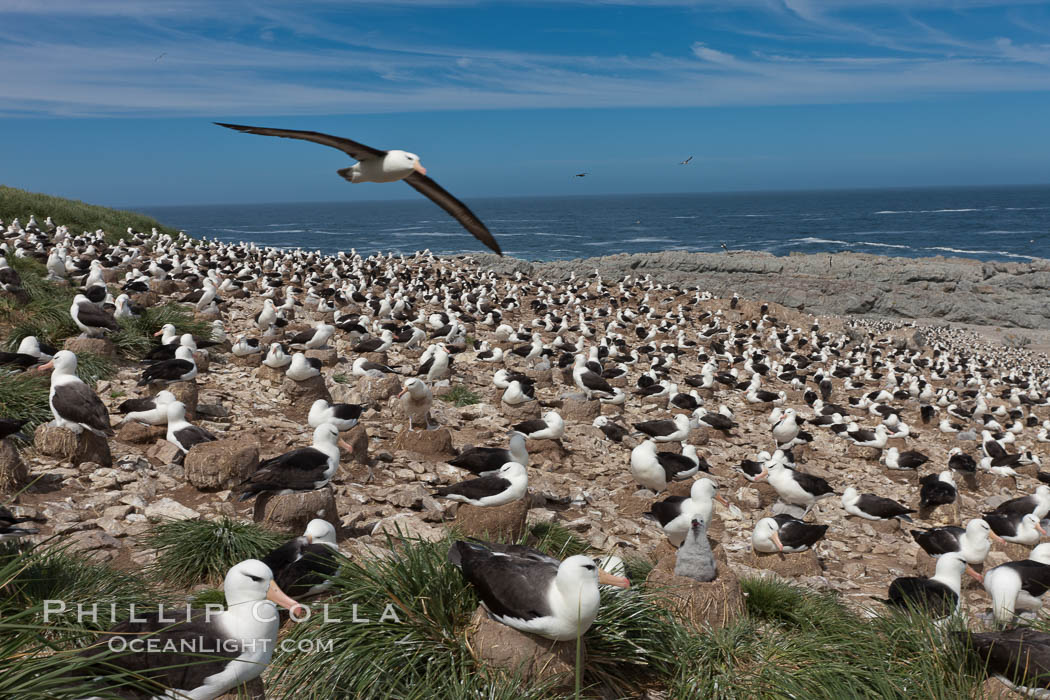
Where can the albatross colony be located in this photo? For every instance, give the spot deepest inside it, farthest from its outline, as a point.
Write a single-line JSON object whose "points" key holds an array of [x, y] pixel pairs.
{"points": [[585, 347]]}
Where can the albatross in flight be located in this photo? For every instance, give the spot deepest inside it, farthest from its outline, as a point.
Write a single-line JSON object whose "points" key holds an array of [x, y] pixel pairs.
{"points": [[374, 165]]}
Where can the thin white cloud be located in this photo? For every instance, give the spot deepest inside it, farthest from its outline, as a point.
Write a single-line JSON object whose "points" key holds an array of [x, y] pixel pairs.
{"points": [[96, 73]]}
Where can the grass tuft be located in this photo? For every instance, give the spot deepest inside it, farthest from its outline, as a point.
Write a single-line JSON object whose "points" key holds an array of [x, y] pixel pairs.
{"points": [[202, 551], [460, 396], [78, 216]]}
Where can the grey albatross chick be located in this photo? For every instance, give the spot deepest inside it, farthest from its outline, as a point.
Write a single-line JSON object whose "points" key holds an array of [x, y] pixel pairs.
{"points": [[532, 592], [695, 559], [374, 165]]}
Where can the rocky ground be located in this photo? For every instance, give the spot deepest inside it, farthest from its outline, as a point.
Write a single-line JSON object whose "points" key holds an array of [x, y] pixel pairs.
{"points": [[937, 289], [582, 481]]}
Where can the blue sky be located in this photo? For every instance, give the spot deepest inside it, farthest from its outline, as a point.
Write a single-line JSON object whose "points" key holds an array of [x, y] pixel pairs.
{"points": [[111, 101]]}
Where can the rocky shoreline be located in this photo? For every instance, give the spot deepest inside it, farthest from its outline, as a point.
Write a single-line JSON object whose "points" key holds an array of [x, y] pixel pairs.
{"points": [[951, 290]]}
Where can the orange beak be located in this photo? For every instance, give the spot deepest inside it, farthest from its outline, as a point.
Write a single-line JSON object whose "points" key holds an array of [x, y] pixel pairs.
{"points": [[763, 475], [721, 499], [973, 574], [607, 579], [1040, 529], [345, 445], [402, 393], [276, 595], [776, 541], [996, 537], [419, 168], [50, 365], [160, 332]]}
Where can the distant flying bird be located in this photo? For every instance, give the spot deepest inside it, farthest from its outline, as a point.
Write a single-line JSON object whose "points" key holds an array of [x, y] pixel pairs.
{"points": [[686, 161], [160, 57], [582, 174], [374, 165]]}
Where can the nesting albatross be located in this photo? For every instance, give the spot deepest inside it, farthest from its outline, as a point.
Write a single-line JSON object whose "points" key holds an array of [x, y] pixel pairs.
{"points": [[532, 592]]}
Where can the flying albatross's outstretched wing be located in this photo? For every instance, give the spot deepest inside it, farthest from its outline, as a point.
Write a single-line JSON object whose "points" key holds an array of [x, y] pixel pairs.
{"points": [[360, 152], [357, 151], [459, 211]]}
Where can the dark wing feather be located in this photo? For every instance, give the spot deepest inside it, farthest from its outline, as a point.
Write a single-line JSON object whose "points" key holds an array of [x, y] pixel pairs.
{"points": [[459, 211], [923, 593], [299, 470], [357, 151], [667, 510], [476, 488], [81, 405], [170, 670], [284, 555], [193, 435], [940, 540], [509, 586], [531, 426], [1035, 576], [94, 317], [317, 564]]}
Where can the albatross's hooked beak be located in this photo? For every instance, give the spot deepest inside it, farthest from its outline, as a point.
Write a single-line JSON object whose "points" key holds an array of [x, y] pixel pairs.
{"points": [[275, 595], [721, 499], [402, 393], [1041, 529], [345, 445], [419, 168], [776, 541], [43, 368], [160, 332], [763, 475], [972, 573], [607, 579], [996, 537]]}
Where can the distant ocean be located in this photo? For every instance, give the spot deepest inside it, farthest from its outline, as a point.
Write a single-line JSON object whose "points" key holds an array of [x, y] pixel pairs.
{"points": [[1000, 223]]}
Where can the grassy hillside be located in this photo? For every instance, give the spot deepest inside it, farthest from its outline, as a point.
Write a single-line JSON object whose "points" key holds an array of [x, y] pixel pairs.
{"points": [[77, 215]]}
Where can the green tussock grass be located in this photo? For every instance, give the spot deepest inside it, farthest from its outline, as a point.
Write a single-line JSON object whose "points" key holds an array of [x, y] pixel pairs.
{"points": [[78, 216], [795, 643], [135, 337], [340, 378], [202, 551], [460, 396], [39, 646], [53, 572], [425, 647], [24, 396]]}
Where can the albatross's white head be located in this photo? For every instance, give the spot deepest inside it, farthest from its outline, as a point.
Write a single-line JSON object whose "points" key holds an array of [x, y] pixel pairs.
{"points": [[320, 531], [252, 581], [64, 364], [404, 159]]}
